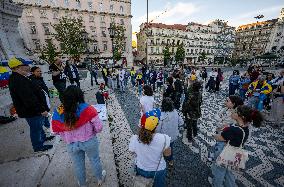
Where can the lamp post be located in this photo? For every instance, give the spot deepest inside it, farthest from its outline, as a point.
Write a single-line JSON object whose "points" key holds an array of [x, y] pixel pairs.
{"points": [[112, 35], [147, 32]]}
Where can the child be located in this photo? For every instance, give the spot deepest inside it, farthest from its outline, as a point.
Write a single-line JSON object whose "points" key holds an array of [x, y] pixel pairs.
{"points": [[102, 95]]}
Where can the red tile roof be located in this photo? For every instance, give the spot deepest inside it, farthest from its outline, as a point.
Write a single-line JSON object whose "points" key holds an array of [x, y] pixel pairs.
{"points": [[257, 23]]}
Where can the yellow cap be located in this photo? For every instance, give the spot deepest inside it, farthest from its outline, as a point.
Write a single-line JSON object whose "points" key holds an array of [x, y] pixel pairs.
{"points": [[193, 77], [151, 123], [13, 62]]}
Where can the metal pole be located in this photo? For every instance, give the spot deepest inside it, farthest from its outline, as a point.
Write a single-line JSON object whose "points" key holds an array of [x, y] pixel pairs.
{"points": [[147, 33], [112, 53]]}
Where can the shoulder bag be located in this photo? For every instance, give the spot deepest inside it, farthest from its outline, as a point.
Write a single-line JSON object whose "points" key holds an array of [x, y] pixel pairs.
{"points": [[233, 158], [140, 181]]}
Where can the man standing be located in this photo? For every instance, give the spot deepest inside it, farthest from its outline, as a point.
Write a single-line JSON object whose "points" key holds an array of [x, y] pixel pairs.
{"points": [[93, 68], [30, 103], [121, 79], [58, 76], [72, 72]]}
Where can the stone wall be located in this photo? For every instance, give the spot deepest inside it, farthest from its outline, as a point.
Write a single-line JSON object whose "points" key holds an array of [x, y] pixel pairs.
{"points": [[11, 43]]}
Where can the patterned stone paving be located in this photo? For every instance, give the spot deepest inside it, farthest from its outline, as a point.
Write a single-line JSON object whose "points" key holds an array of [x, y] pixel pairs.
{"points": [[264, 168]]}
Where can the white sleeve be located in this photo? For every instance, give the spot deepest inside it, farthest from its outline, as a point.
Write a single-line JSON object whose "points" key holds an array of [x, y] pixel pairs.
{"points": [[132, 143], [168, 141]]}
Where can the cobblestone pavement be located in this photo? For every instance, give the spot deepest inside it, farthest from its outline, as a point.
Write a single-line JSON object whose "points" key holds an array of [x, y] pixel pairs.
{"points": [[266, 161]]}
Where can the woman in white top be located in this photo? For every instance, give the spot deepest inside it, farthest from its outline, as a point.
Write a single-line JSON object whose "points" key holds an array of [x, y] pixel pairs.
{"points": [[169, 123], [147, 100], [150, 147]]}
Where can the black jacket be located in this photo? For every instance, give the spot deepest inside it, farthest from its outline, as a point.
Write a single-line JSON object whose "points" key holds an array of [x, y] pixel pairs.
{"points": [[40, 82], [28, 98]]}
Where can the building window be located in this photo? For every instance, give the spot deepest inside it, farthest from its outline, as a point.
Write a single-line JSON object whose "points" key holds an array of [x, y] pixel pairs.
{"points": [[33, 28], [103, 32], [121, 9], [78, 3], [157, 50], [90, 5], [42, 13], [55, 14], [66, 2], [111, 8], [95, 46], [112, 19], [105, 46], [91, 18], [53, 2], [102, 18], [36, 44], [29, 13], [39, 2], [46, 29], [93, 29], [121, 21], [101, 6]]}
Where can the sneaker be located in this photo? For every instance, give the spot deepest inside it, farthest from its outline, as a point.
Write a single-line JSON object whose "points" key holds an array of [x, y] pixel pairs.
{"points": [[49, 138], [210, 180], [100, 182], [44, 148]]}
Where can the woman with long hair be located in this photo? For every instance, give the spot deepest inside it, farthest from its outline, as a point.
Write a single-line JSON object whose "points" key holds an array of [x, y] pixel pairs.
{"points": [[224, 120], [169, 124], [147, 100], [78, 123], [235, 135], [150, 147]]}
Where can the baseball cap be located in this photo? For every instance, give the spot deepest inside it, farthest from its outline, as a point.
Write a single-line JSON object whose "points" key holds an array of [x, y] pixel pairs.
{"points": [[149, 123], [14, 62]]}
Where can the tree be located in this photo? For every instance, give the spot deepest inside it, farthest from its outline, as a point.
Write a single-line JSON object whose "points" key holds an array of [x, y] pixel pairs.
{"points": [[202, 56], [180, 54], [118, 41], [167, 55], [49, 52], [70, 32]]}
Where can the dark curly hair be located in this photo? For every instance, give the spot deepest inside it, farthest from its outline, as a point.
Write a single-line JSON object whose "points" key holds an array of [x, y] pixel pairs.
{"points": [[34, 68], [236, 100], [148, 90], [72, 97], [170, 80], [250, 115], [196, 86], [167, 105], [145, 136]]}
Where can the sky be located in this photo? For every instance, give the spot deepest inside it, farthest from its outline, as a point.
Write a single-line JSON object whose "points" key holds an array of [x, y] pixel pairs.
{"points": [[236, 12]]}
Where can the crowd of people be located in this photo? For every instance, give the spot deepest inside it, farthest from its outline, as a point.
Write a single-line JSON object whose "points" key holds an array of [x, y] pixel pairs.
{"points": [[181, 89]]}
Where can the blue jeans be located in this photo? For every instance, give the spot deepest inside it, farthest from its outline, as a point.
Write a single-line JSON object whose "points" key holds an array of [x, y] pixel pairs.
{"points": [[140, 88], [218, 148], [222, 177], [46, 122], [160, 178], [77, 152], [121, 86], [243, 93], [170, 158], [94, 76], [37, 134], [257, 102], [133, 81]]}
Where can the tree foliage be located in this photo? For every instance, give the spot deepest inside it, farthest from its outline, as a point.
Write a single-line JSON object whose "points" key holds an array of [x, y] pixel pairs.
{"points": [[202, 56], [118, 41], [180, 54], [70, 34], [49, 52]]}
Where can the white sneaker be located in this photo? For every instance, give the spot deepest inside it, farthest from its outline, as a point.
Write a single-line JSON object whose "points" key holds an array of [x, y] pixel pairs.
{"points": [[210, 180], [100, 182]]}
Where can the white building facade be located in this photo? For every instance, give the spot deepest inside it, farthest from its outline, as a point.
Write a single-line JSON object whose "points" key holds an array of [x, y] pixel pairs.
{"points": [[198, 40], [97, 15], [276, 44]]}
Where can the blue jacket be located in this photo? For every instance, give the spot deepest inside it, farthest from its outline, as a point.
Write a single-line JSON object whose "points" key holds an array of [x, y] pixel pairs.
{"points": [[234, 79]]}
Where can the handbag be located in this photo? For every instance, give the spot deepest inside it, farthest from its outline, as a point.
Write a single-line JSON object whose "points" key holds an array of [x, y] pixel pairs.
{"points": [[233, 158], [140, 181]]}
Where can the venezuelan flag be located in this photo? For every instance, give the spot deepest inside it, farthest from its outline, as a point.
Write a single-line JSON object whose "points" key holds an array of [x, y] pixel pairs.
{"points": [[85, 113]]}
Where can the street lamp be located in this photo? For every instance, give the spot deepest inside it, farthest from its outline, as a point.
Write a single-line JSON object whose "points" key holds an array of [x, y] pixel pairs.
{"points": [[112, 35]]}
